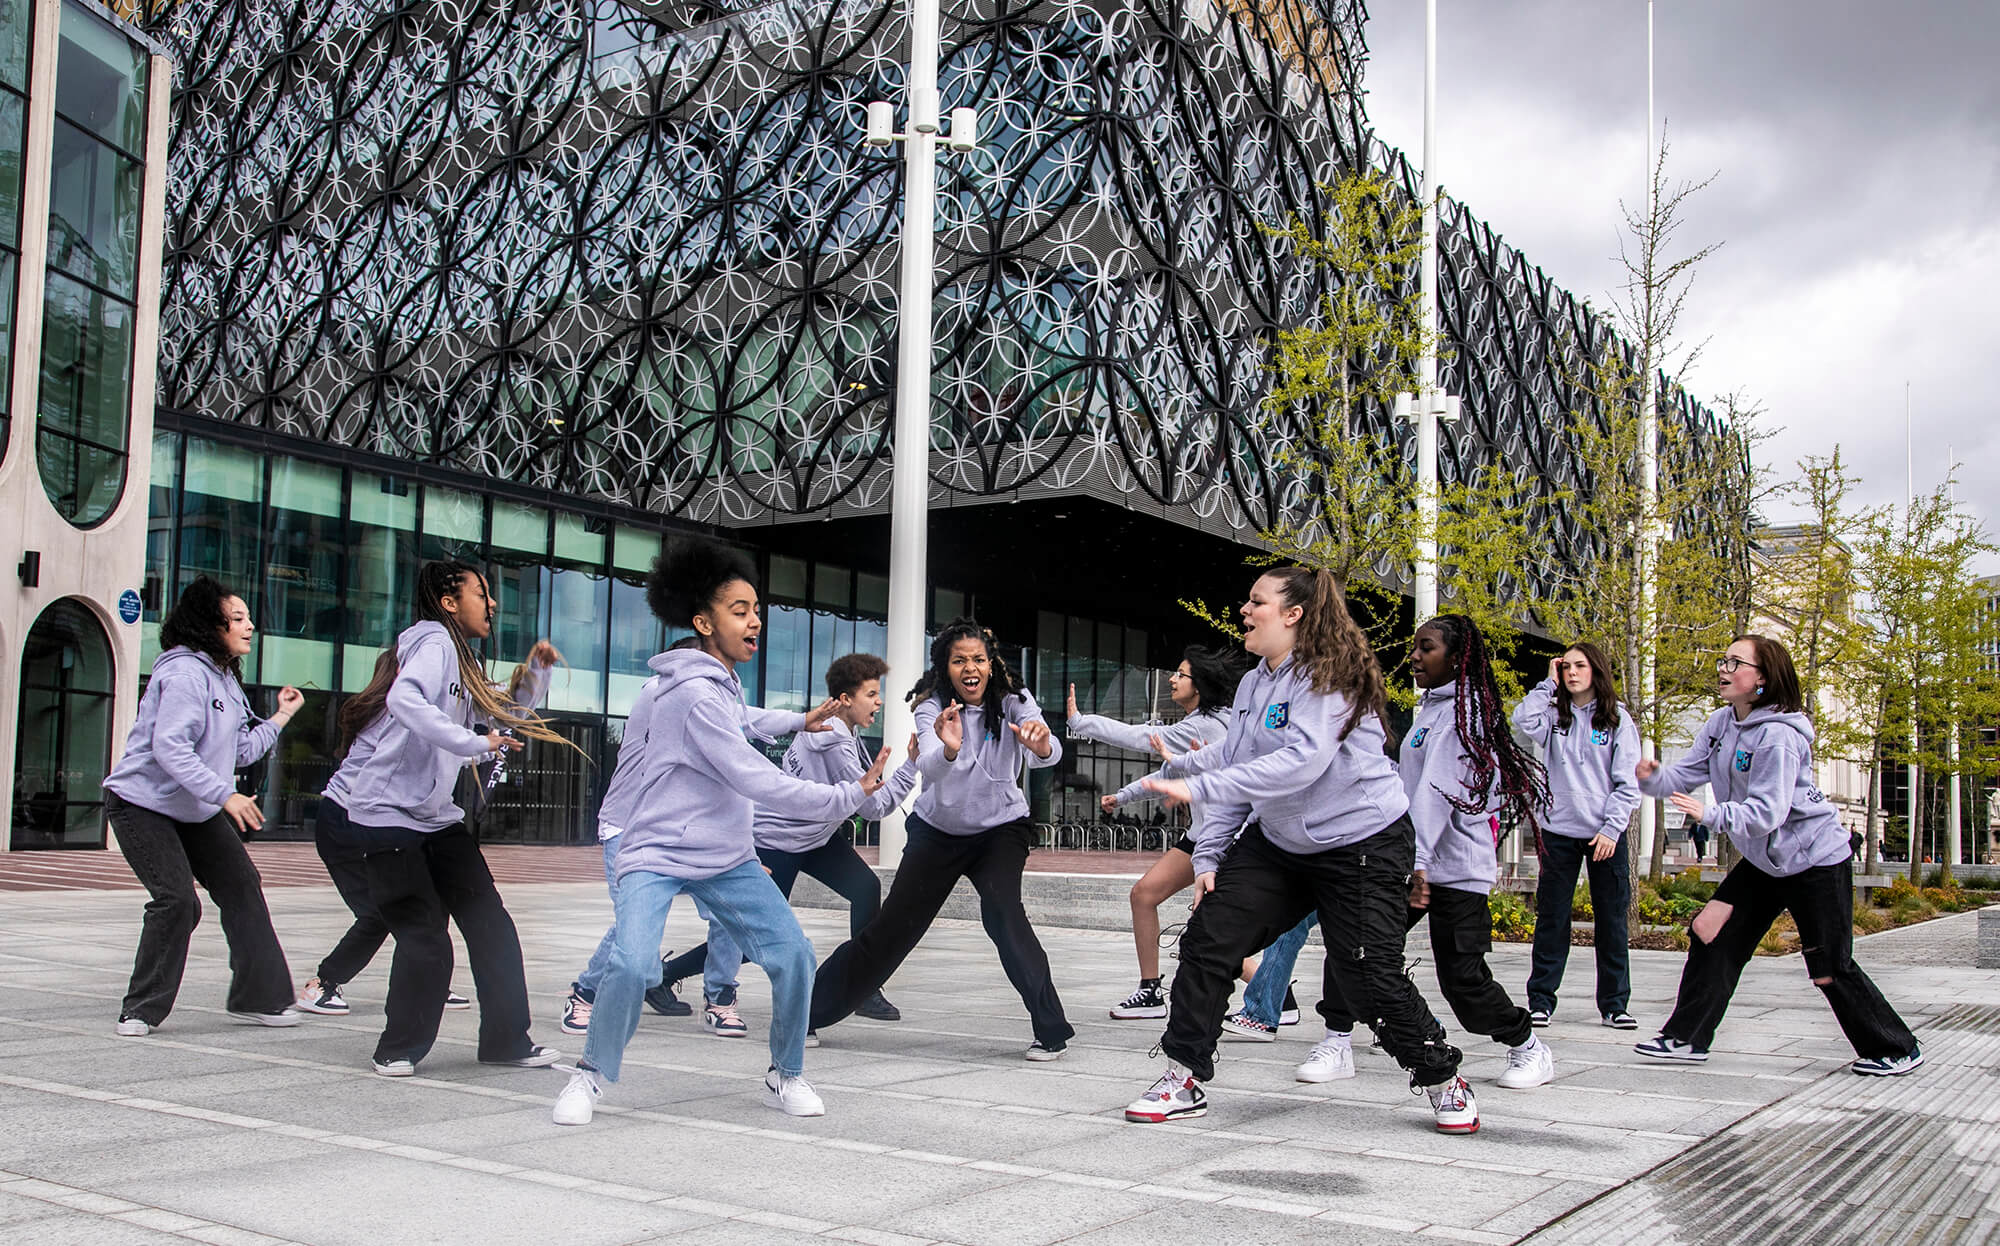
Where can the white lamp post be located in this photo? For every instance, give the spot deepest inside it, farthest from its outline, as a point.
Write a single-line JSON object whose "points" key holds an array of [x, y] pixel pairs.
{"points": [[909, 496], [1428, 406]]}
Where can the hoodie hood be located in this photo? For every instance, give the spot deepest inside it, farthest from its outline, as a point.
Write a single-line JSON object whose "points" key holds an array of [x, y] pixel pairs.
{"points": [[1768, 717], [678, 667]]}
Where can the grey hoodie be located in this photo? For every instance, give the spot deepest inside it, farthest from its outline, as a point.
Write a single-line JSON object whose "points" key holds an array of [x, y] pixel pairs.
{"points": [[401, 769], [699, 781], [1592, 789], [192, 734], [1764, 796], [616, 807], [1180, 737], [830, 756], [1284, 765], [981, 790], [1454, 848]]}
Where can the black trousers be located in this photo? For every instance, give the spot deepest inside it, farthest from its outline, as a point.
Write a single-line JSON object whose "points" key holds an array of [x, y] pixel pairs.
{"points": [[1361, 894], [417, 881], [1821, 902], [933, 862], [834, 863], [349, 872], [1561, 859], [1461, 936], [169, 858]]}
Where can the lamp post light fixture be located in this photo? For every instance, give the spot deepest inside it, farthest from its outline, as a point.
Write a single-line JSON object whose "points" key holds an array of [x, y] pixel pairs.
{"points": [[909, 492]]}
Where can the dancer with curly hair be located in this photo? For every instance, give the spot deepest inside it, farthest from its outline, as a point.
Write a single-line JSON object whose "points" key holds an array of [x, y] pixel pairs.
{"points": [[976, 727], [179, 820], [698, 784], [1460, 768], [1592, 747], [1329, 830]]}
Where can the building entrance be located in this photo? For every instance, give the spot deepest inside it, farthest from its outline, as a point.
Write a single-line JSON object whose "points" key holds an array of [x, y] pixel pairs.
{"points": [[64, 736]]}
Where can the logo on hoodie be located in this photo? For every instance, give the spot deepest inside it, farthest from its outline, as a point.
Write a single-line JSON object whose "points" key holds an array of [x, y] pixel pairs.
{"points": [[1743, 761], [216, 704], [1600, 736], [456, 691], [1278, 714], [1417, 737]]}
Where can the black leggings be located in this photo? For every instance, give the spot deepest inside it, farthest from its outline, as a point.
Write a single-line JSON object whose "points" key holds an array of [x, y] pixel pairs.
{"points": [[834, 863]]}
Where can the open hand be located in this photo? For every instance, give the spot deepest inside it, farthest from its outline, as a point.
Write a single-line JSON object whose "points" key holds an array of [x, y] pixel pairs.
{"points": [[872, 781], [950, 730], [914, 750], [498, 742], [1174, 792], [1601, 847], [544, 654], [816, 717], [1556, 670], [1034, 734], [1069, 703], [244, 812], [1692, 806], [1203, 884]]}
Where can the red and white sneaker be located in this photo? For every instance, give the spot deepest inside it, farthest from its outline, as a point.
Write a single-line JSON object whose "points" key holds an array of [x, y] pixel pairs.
{"points": [[1452, 1103], [1175, 1096]]}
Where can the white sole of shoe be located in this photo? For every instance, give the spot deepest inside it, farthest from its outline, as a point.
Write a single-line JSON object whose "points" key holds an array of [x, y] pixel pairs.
{"points": [[1247, 1036], [574, 1032], [539, 1060], [1316, 1077], [1043, 1055], [318, 1009], [772, 1100], [1665, 1057], [1161, 1118], [1911, 1067], [275, 1020], [1138, 1014], [395, 1070]]}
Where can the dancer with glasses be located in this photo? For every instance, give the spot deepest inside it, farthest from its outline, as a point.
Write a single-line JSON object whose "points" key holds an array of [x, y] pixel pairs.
{"points": [[1755, 755]]}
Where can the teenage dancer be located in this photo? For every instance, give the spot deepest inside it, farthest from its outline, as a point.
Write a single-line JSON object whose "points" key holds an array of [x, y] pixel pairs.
{"points": [[1755, 754], [405, 738], [612, 814], [975, 729], [789, 846], [1329, 830], [1592, 747], [699, 781], [345, 866], [172, 801], [1201, 687], [1460, 768]]}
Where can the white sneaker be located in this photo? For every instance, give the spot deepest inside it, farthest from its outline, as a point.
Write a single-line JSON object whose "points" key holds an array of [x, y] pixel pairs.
{"points": [[1530, 1065], [1039, 1053], [1173, 1097], [578, 1100], [321, 997], [132, 1027], [1331, 1060], [1452, 1103], [794, 1096], [395, 1068]]}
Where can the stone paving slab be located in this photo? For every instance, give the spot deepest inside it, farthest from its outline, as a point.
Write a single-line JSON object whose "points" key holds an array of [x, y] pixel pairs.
{"points": [[936, 1129]]}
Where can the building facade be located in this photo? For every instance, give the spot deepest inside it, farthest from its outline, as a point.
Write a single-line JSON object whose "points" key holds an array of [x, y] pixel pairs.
{"points": [[536, 284], [83, 140]]}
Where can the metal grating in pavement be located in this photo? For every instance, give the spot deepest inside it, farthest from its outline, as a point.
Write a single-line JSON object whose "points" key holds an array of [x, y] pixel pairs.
{"points": [[1846, 1160]]}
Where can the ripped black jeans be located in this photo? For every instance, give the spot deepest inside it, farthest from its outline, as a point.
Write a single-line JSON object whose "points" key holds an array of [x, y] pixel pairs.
{"points": [[1362, 895], [1821, 902]]}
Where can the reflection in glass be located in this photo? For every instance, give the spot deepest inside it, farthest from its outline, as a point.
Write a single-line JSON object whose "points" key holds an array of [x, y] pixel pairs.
{"points": [[578, 603], [86, 386], [635, 637], [101, 80], [94, 197]]}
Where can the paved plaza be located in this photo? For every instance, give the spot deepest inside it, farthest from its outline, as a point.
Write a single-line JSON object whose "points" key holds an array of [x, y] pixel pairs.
{"points": [[937, 1130]]}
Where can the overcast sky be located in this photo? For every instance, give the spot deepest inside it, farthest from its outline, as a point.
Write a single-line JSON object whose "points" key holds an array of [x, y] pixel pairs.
{"points": [[1857, 196]]}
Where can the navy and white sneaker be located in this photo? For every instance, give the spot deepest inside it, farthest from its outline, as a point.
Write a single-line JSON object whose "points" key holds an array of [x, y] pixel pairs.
{"points": [[537, 1058], [1539, 1018], [1147, 1002], [1039, 1053], [1889, 1066], [576, 1015], [321, 997], [1664, 1048], [1620, 1020], [454, 1002], [665, 998]]}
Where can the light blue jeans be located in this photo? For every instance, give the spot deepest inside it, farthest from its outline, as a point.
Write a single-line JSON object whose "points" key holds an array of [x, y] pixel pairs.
{"points": [[1264, 998], [714, 977], [758, 918]]}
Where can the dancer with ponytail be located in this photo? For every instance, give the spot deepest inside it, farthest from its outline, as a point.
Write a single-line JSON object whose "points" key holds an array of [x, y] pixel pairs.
{"points": [[975, 729], [179, 820], [1201, 688], [697, 785], [1329, 829], [1460, 769], [404, 739], [1593, 792], [1755, 755]]}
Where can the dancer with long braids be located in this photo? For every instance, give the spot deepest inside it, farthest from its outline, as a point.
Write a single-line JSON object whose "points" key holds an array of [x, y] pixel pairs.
{"points": [[1329, 829], [976, 728], [698, 784], [1755, 755], [172, 801], [1592, 747], [405, 738], [1201, 687], [1460, 769]]}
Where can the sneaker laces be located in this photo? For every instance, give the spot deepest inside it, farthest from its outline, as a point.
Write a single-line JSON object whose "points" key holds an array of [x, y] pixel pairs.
{"points": [[1523, 1056], [579, 1009], [724, 1012], [1328, 1048], [1448, 1096], [1144, 995]]}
